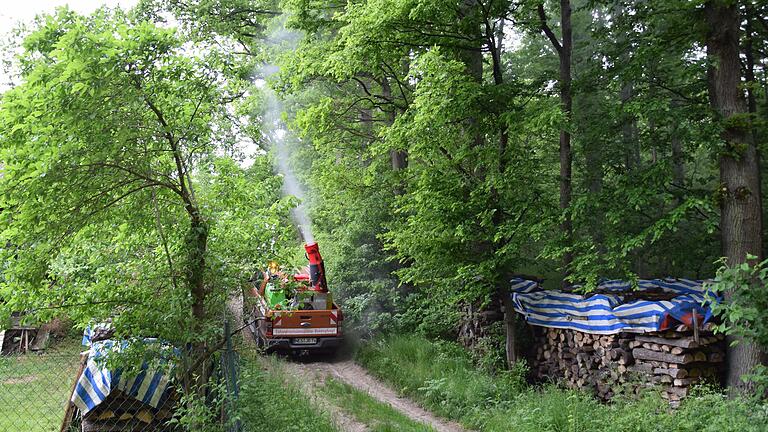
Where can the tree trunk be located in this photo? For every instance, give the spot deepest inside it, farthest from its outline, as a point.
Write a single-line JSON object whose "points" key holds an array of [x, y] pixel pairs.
{"points": [[629, 130], [398, 158], [197, 239], [197, 244], [564, 51], [471, 56], [749, 56], [740, 218], [678, 158], [566, 156]]}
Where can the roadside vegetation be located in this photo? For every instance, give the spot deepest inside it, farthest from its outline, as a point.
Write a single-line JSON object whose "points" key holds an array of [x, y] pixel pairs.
{"points": [[270, 401], [442, 377]]}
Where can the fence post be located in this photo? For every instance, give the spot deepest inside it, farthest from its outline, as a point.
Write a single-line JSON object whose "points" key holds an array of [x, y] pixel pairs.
{"points": [[231, 376]]}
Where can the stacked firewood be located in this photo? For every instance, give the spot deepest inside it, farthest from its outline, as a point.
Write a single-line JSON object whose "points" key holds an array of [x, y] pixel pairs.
{"points": [[124, 413], [678, 359], [672, 360]]}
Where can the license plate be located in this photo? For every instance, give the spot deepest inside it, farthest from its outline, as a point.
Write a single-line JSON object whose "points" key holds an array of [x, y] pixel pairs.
{"points": [[305, 341]]}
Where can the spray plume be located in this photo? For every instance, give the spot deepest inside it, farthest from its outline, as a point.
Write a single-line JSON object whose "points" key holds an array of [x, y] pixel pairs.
{"points": [[276, 132]]}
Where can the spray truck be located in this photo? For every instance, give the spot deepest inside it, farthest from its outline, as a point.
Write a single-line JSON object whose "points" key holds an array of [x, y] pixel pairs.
{"points": [[294, 312]]}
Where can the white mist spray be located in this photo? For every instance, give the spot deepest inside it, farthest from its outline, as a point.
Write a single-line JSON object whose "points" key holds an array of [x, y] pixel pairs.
{"points": [[276, 132]]}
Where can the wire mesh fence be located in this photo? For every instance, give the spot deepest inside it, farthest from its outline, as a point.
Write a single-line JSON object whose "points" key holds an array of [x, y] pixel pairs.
{"points": [[125, 413], [37, 390], [34, 390], [229, 368]]}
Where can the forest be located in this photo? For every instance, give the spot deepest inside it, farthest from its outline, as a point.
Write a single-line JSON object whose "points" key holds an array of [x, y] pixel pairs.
{"points": [[154, 158]]}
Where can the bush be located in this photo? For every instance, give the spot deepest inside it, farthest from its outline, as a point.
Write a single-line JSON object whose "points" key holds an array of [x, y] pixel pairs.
{"points": [[439, 375]]}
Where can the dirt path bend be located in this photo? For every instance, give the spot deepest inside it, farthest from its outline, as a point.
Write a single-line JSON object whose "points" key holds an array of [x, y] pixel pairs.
{"points": [[349, 372], [311, 374], [305, 379], [309, 379]]}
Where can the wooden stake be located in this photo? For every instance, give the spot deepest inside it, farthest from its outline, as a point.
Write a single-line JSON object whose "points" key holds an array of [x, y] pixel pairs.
{"points": [[695, 326], [69, 414]]}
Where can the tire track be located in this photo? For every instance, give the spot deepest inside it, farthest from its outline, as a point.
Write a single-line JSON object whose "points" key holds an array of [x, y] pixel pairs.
{"points": [[303, 378], [349, 372], [310, 375]]}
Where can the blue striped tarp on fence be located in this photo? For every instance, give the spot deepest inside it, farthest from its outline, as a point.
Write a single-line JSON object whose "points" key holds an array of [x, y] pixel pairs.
{"points": [[97, 381], [608, 313]]}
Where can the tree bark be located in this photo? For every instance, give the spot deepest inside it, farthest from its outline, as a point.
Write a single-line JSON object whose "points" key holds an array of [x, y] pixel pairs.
{"points": [[749, 75], [398, 158], [495, 38], [472, 57], [197, 244], [564, 51], [629, 130], [678, 158], [740, 201], [566, 156]]}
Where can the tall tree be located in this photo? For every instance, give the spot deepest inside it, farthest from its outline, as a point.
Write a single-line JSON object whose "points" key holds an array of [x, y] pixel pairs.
{"points": [[111, 147], [564, 48], [741, 224]]}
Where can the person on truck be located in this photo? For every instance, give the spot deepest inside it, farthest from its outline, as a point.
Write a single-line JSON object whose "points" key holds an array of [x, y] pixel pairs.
{"points": [[294, 311]]}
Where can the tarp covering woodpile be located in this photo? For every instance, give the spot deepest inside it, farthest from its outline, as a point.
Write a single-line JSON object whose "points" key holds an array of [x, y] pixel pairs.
{"points": [[617, 306], [97, 381]]}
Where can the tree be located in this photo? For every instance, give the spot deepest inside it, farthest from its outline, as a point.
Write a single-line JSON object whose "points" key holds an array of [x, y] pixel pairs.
{"points": [[356, 78], [117, 202], [637, 211], [564, 48], [739, 193]]}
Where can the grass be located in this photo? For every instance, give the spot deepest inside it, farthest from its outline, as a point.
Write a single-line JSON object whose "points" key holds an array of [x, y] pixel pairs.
{"points": [[271, 401], [378, 416], [34, 389], [442, 377]]}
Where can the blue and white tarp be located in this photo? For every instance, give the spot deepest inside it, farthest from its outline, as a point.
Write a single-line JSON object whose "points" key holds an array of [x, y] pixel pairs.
{"points": [[608, 313], [97, 381]]}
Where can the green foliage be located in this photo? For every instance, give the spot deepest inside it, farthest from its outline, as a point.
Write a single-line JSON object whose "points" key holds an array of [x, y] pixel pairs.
{"points": [[239, 21], [197, 413], [433, 315], [427, 133], [477, 201], [740, 300], [369, 87], [441, 376], [118, 204], [744, 311]]}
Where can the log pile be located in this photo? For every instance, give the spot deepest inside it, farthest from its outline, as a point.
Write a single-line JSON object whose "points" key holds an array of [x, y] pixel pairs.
{"points": [[123, 413], [672, 360]]}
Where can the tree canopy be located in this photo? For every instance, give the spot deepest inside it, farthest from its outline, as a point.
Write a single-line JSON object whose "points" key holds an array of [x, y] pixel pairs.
{"points": [[121, 199]]}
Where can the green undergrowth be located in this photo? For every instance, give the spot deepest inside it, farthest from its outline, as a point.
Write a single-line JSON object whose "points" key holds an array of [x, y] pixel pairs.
{"points": [[379, 417], [442, 377], [272, 401]]}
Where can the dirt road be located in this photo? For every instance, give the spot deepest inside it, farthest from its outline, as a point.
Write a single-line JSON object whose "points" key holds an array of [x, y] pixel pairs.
{"points": [[349, 372], [312, 372]]}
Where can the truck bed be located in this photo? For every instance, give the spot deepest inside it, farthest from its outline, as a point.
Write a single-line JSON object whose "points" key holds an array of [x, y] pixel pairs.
{"points": [[296, 330]]}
